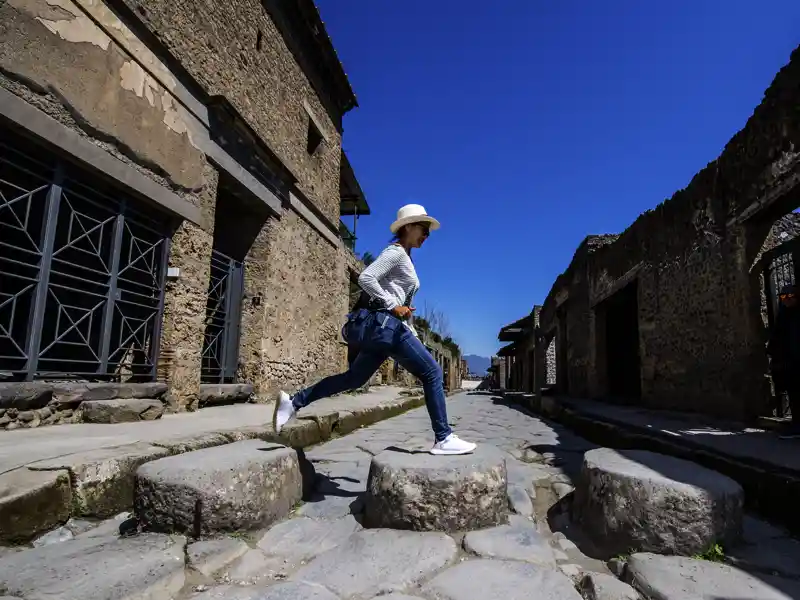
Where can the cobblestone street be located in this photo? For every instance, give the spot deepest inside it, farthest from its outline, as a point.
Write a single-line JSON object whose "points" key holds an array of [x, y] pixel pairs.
{"points": [[322, 551]]}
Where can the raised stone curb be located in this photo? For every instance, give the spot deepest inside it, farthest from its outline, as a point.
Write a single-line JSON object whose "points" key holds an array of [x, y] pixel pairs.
{"points": [[240, 486], [36, 502], [423, 492], [633, 500], [102, 480]]}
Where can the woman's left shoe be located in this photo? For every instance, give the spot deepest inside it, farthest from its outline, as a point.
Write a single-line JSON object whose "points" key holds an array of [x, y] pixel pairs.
{"points": [[452, 445], [284, 411]]}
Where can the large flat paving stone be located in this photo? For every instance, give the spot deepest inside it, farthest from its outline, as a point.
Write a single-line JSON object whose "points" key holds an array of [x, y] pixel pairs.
{"points": [[682, 578], [239, 486], [423, 492], [145, 566], [500, 580], [209, 556], [290, 590], [382, 560], [633, 500], [302, 538], [518, 540]]}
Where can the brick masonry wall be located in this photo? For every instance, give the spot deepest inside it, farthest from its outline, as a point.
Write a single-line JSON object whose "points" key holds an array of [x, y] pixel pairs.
{"points": [[700, 326]]}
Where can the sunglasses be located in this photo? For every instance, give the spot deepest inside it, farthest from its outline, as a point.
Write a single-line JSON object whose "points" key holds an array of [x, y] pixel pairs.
{"points": [[786, 296]]}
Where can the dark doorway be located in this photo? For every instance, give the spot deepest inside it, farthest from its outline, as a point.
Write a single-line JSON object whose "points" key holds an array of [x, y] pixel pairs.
{"points": [[562, 355], [623, 367]]}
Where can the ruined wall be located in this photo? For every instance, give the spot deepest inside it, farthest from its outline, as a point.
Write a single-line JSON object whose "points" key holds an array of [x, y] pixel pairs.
{"points": [[234, 49], [700, 327], [57, 58]]}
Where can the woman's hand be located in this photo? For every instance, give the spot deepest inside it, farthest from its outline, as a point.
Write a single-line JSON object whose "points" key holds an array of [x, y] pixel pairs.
{"points": [[402, 312]]}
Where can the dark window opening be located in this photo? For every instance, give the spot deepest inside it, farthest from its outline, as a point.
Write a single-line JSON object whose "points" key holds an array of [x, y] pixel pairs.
{"points": [[314, 137], [259, 40], [623, 369]]}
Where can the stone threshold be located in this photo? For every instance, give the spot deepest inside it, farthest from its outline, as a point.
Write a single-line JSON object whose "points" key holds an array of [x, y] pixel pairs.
{"points": [[99, 483], [771, 489]]}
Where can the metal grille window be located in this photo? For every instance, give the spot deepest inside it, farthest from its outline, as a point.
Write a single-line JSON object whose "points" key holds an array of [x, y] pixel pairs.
{"points": [[82, 268], [220, 358]]}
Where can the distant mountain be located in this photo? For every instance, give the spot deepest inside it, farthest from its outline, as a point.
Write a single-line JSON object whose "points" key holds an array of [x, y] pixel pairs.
{"points": [[478, 364]]}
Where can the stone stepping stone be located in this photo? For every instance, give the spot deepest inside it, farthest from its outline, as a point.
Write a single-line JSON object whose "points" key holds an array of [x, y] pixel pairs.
{"points": [[423, 492], [633, 500], [240, 486], [379, 561], [500, 580], [145, 566], [518, 540], [281, 591], [302, 538], [683, 578]]}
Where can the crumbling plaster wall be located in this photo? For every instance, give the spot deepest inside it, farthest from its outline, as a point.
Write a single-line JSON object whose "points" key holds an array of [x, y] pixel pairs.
{"points": [[234, 49], [701, 333], [54, 55]]}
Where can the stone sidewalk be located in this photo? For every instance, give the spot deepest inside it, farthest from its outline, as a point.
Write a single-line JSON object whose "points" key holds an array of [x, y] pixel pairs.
{"points": [[85, 470], [322, 552], [767, 467]]}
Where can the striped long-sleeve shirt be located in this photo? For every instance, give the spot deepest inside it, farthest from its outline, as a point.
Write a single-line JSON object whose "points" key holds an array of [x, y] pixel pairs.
{"points": [[392, 279]]}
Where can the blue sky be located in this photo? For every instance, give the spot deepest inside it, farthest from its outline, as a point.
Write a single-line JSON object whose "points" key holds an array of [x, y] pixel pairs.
{"points": [[526, 125]]}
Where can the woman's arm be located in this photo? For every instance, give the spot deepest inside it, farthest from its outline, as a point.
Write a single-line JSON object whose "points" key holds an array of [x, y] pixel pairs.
{"points": [[369, 280]]}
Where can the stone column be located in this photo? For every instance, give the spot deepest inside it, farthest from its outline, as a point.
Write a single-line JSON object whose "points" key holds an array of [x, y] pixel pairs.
{"points": [[185, 304]]}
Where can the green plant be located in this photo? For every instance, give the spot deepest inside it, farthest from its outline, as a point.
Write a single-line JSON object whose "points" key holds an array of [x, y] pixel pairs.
{"points": [[713, 554]]}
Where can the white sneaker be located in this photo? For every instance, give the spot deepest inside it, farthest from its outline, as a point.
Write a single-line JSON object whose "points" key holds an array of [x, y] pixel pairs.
{"points": [[284, 411], [453, 444]]}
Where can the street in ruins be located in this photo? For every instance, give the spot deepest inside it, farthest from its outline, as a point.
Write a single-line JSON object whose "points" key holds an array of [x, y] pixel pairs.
{"points": [[197, 534]]}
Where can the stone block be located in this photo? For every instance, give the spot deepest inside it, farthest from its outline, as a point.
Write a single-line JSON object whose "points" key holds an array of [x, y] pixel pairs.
{"points": [[103, 479], [290, 590], [25, 396], [423, 492], [239, 486], [683, 578], [144, 566], [303, 538], [379, 561], [75, 393], [633, 500], [500, 580], [519, 540], [32, 502], [599, 586], [121, 410], [224, 393]]}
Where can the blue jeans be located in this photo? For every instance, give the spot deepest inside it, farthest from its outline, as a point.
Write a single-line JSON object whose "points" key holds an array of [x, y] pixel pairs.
{"points": [[380, 336]]}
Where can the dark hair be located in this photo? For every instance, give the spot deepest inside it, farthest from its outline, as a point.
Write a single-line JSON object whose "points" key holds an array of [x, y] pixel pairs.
{"points": [[398, 235]]}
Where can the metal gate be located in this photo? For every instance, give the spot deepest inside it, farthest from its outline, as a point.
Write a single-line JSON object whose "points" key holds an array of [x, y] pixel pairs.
{"points": [[82, 269], [220, 359], [780, 269]]}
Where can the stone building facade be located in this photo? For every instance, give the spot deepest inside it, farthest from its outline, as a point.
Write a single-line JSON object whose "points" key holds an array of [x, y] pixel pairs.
{"points": [[172, 181], [669, 313]]}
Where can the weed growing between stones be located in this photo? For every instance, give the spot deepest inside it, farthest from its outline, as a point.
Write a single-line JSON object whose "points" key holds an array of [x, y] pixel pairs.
{"points": [[714, 554]]}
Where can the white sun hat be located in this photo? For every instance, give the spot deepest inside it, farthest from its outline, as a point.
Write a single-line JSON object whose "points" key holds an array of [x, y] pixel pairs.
{"points": [[413, 213]]}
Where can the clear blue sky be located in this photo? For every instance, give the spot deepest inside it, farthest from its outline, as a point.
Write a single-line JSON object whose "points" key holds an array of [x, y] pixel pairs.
{"points": [[526, 125]]}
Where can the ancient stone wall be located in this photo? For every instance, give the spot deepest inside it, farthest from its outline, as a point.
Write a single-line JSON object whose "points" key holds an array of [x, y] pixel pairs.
{"points": [[133, 78], [700, 327], [234, 49]]}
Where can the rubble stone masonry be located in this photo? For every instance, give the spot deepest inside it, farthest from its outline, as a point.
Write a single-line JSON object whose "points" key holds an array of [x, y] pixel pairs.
{"points": [[694, 260]]}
